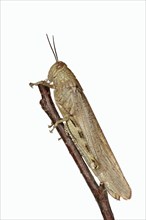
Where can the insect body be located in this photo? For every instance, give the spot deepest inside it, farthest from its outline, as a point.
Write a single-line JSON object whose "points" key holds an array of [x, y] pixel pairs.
{"points": [[83, 127]]}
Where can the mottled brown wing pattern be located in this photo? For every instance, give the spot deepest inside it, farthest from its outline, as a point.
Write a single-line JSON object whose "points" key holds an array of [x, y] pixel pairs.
{"points": [[90, 140]]}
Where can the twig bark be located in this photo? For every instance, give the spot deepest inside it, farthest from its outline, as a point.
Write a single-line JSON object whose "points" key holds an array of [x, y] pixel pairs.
{"points": [[99, 192]]}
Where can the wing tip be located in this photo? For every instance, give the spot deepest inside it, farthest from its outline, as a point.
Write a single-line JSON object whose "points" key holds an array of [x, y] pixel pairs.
{"points": [[126, 195]]}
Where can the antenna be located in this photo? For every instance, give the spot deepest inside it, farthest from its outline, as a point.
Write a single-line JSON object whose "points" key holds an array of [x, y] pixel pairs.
{"points": [[53, 48]]}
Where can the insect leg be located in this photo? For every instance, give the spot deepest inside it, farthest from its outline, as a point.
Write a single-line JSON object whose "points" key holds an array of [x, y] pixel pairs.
{"points": [[44, 83], [66, 118], [80, 140]]}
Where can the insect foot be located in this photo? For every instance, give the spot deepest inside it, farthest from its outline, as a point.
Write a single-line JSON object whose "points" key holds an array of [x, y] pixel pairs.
{"points": [[43, 82], [56, 124]]}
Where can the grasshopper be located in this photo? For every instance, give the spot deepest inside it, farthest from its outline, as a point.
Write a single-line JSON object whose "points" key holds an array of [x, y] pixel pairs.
{"points": [[84, 129]]}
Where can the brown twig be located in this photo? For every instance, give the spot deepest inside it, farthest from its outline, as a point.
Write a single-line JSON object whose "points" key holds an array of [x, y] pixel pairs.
{"points": [[99, 192]]}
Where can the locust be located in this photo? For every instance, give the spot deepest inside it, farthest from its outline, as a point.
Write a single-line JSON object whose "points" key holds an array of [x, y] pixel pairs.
{"points": [[81, 124]]}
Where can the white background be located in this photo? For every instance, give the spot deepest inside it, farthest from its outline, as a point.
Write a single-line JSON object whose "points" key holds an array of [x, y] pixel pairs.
{"points": [[103, 44]]}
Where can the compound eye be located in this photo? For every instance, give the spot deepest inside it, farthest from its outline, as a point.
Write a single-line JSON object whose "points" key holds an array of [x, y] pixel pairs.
{"points": [[60, 65]]}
